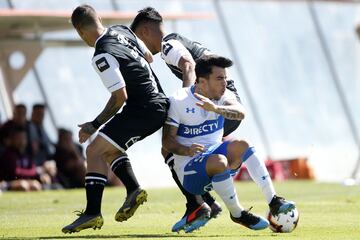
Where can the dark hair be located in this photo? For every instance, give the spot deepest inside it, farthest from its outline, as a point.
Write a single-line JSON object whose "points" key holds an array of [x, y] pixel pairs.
{"points": [[203, 67], [20, 105], [84, 16], [38, 105], [148, 14]]}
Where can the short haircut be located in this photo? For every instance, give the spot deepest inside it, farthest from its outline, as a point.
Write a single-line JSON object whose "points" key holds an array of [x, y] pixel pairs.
{"points": [[148, 14], [38, 106], [203, 67], [20, 105], [84, 16]]}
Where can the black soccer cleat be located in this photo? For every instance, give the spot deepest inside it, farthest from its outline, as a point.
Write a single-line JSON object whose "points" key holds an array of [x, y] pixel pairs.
{"points": [[251, 221], [84, 221], [280, 205], [132, 202], [215, 210]]}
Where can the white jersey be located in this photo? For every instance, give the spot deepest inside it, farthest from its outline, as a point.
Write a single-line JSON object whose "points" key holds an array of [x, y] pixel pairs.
{"points": [[195, 125]]}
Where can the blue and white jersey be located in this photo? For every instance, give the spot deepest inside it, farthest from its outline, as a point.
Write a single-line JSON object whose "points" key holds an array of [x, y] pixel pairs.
{"points": [[195, 125]]}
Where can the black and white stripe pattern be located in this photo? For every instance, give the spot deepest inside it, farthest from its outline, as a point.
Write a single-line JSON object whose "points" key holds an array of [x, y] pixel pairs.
{"points": [[95, 179], [169, 160], [118, 161]]}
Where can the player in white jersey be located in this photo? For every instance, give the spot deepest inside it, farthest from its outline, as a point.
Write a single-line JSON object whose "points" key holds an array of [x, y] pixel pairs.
{"points": [[193, 132]]}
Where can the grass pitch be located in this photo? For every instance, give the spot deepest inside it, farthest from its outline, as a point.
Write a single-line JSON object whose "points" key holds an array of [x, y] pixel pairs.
{"points": [[327, 211]]}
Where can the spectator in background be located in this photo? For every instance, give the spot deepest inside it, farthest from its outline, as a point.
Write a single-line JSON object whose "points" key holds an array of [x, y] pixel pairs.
{"points": [[18, 120], [17, 169], [69, 160], [358, 30], [41, 146]]}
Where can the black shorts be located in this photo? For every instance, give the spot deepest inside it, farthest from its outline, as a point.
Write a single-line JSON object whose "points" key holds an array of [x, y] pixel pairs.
{"points": [[133, 124], [231, 125]]}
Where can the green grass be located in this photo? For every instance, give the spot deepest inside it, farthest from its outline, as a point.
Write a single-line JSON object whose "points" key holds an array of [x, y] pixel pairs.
{"points": [[327, 211]]}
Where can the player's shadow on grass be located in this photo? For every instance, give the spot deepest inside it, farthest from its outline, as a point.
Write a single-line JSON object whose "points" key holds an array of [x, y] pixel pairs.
{"points": [[125, 236]]}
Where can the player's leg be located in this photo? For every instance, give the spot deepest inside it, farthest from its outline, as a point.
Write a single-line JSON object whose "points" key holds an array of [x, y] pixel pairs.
{"points": [[196, 209], [128, 127], [95, 181], [240, 152], [217, 167]]}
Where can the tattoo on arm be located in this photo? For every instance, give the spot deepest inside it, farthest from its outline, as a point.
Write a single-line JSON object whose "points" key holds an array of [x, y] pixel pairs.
{"points": [[232, 114], [111, 108]]}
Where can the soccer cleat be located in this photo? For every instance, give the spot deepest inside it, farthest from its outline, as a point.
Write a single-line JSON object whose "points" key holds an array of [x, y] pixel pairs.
{"points": [[215, 210], [193, 220], [250, 220], [280, 205], [132, 202], [83, 222]]}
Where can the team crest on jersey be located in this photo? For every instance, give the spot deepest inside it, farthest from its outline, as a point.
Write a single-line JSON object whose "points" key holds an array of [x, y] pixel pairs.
{"points": [[102, 64], [166, 48]]}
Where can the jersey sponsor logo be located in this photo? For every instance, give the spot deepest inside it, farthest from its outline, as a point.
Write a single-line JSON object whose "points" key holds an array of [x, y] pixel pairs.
{"points": [[190, 110], [207, 127], [166, 48], [102, 64]]}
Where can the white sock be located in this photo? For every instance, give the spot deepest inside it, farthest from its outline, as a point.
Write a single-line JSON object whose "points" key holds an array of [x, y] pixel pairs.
{"points": [[224, 186], [259, 173]]}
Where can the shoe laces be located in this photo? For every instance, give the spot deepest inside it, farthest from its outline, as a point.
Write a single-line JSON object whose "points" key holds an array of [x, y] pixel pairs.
{"points": [[249, 217], [79, 212]]}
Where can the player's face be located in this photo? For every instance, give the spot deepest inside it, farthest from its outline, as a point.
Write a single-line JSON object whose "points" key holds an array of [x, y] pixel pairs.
{"points": [[83, 37], [216, 83], [154, 35]]}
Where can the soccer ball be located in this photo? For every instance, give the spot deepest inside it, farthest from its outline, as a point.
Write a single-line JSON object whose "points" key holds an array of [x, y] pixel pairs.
{"points": [[284, 223]]}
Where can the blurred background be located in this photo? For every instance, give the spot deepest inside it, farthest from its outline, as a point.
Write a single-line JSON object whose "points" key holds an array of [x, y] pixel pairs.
{"points": [[296, 70]]}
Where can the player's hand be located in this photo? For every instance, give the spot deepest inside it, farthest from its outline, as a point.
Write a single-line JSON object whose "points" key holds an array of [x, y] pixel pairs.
{"points": [[86, 130], [195, 149], [205, 103]]}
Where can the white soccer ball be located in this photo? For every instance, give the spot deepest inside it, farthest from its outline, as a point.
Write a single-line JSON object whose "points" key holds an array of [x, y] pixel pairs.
{"points": [[284, 223]]}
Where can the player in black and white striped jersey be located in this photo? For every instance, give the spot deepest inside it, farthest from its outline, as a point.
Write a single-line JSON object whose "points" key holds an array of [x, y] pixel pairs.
{"points": [[121, 61]]}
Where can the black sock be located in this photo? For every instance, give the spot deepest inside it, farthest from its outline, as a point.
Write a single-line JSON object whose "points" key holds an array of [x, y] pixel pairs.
{"points": [[121, 166], [192, 203], [208, 198], [94, 185]]}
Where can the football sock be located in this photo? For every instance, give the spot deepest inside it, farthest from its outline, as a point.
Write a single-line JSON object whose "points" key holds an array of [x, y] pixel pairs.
{"points": [[224, 186], [208, 198], [191, 200], [94, 185], [121, 167], [259, 173]]}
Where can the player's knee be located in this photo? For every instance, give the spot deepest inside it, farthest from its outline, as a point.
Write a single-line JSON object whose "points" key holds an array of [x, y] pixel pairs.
{"points": [[238, 146], [216, 163]]}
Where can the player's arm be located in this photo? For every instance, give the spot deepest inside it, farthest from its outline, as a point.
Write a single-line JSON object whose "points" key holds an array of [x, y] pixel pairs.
{"points": [[170, 143], [174, 53], [231, 109], [108, 69], [187, 66], [148, 55], [358, 30]]}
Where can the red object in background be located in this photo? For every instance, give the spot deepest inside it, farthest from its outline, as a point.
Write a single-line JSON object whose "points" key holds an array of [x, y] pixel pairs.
{"points": [[279, 170]]}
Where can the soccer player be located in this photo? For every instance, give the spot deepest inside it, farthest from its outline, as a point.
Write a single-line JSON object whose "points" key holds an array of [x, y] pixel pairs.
{"points": [[180, 55], [193, 132], [120, 60]]}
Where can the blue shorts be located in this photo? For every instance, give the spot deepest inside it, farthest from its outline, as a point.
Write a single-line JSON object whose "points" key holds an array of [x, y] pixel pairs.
{"points": [[196, 180]]}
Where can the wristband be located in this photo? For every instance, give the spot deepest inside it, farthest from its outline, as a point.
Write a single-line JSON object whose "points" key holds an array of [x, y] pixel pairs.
{"points": [[96, 124]]}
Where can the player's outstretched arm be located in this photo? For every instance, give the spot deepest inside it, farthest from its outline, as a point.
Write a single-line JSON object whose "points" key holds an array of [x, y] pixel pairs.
{"points": [[170, 143], [232, 109]]}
